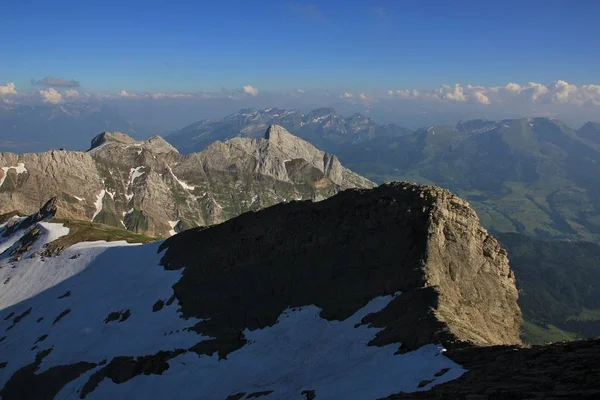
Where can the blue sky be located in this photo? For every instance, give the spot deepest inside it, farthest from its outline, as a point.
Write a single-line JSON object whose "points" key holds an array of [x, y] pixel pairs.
{"points": [[275, 45]]}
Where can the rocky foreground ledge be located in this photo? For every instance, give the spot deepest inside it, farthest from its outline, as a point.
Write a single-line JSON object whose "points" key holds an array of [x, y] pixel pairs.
{"points": [[422, 241], [353, 297]]}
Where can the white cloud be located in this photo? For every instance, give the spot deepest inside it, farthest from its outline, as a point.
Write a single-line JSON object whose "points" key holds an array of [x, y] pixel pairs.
{"points": [[450, 93], [71, 93], [346, 95], [563, 92], [125, 93], [8, 89], [481, 98], [513, 87], [560, 92], [251, 90], [364, 97], [406, 93], [51, 96], [535, 90]]}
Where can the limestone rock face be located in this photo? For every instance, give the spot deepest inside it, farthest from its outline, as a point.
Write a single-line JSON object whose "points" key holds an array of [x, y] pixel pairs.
{"points": [[455, 281], [148, 187]]}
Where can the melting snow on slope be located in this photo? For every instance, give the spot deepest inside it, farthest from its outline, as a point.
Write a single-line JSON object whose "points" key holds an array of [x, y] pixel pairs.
{"points": [[123, 277], [301, 352], [182, 183], [12, 219], [135, 173], [20, 168], [50, 232], [7, 242], [98, 203], [79, 198], [173, 224]]}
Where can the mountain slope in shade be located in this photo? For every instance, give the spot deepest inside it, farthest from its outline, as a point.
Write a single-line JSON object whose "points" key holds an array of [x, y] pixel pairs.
{"points": [[357, 300], [148, 187]]}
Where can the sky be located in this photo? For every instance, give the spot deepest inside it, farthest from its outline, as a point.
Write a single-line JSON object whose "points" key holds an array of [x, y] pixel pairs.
{"points": [[361, 51]]}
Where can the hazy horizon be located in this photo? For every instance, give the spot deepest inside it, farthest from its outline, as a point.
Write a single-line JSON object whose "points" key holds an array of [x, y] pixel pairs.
{"points": [[164, 66]]}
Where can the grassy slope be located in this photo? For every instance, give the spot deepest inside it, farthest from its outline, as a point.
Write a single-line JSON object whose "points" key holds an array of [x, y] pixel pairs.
{"points": [[537, 334], [558, 286], [82, 231]]}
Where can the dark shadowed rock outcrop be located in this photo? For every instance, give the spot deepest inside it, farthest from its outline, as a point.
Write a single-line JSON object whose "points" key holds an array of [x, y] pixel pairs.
{"points": [[299, 299], [48, 210], [565, 370], [338, 254]]}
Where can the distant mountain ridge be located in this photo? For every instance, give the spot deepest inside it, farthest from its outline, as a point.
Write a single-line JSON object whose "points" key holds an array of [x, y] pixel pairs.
{"points": [[531, 175], [321, 126], [148, 187]]}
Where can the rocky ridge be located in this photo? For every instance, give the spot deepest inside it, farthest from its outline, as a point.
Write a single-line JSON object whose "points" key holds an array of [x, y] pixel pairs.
{"points": [[148, 187], [366, 285], [422, 241]]}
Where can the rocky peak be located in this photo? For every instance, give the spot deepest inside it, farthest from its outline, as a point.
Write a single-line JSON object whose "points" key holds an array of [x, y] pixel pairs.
{"points": [[158, 145], [278, 134], [105, 137], [148, 187], [454, 280], [590, 131]]}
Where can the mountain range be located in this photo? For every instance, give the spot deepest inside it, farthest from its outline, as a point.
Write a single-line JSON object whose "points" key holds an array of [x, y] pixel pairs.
{"points": [[148, 187], [398, 284], [535, 176], [321, 127]]}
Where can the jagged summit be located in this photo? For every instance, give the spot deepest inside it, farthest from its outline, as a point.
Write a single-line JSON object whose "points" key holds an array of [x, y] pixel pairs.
{"points": [[276, 131], [148, 187], [155, 143]]}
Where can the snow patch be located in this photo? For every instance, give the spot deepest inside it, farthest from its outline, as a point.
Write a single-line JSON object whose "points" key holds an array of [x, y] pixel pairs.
{"points": [[98, 203], [79, 198], [124, 277], [20, 169], [173, 224], [53, 231], [301, 351], [135, 173], [182, 183]]}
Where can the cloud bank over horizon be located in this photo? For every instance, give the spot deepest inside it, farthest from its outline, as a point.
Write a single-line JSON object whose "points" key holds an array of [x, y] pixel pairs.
{"points": [[409, 106], [560, 92]]}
